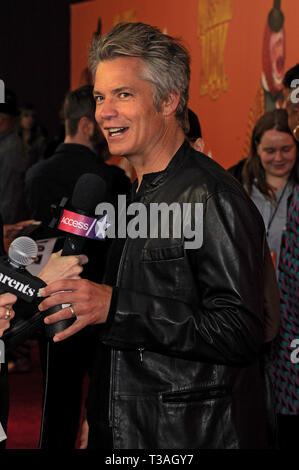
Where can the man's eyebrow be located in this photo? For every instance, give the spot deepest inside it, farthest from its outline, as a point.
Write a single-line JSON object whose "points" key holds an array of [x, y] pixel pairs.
{"points": [[115, 91], [122, 88]]}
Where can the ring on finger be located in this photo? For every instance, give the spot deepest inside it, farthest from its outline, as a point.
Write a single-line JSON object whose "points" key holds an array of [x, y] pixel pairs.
{"points": [[7, 314], [72, 310]]}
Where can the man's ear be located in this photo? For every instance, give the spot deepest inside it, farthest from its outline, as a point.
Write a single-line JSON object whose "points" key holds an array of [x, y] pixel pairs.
{"points": [[86, 126], [170, 103]]}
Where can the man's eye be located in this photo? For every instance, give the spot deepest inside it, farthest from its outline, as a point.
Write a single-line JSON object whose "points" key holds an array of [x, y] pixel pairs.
{"points": [[124, 95], [99, 98]]}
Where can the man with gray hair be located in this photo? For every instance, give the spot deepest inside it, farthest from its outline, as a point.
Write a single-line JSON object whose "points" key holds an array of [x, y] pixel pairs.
{"points": [[180, 327]]}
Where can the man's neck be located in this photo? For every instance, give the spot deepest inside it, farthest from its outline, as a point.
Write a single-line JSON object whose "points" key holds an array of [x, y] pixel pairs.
{"points": [[6, 129], [159, 156], [26, 134], [78, 140]]}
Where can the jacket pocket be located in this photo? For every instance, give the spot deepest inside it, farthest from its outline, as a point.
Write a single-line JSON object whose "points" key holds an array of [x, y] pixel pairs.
{"points": [[195, 395], [163, 270], [166, 253]]}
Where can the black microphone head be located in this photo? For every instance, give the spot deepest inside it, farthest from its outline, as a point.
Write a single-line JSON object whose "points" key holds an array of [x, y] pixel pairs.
{"points": [[89, 190]]}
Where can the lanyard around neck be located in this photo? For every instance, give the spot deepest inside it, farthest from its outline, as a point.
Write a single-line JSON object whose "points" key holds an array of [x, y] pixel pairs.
{"points": [[276, 208]]}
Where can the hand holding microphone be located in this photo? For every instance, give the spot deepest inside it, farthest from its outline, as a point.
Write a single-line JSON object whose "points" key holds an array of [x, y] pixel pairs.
{"points": [[79, 221], [89, 191], [62, 267], [90, 304], [17, 282], [13, 276], [6, 312]]}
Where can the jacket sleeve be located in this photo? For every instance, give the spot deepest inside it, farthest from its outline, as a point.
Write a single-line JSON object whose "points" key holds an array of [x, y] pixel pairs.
{"points": [[225, 325]]}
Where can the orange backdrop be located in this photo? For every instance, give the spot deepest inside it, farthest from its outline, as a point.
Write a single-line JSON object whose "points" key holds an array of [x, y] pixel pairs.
{"points": [[224, 38]]}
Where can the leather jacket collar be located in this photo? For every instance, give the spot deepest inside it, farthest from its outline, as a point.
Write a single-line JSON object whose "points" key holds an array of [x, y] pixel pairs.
{"points": [[151, 181]]}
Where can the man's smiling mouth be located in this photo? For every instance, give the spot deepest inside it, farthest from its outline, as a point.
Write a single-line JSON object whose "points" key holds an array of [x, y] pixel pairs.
{"points": [[113, 131]]}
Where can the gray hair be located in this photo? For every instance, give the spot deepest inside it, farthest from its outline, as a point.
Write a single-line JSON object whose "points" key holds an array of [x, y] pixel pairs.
{"points": [[166, 59]]}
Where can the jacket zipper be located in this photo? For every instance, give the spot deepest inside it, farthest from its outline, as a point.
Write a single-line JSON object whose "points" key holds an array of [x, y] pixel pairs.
{"points": [[113, 352], [141, 354], [185, 396], [111, 387]]}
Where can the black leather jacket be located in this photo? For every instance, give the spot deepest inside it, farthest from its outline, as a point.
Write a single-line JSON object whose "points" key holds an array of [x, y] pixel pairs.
{"points": [[188, 324]]}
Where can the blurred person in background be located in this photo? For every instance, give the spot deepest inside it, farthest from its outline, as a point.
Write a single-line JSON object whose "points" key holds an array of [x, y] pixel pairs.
{"points": [[291, 75], [271, 176], [13, 163], [32, 133], [270, 173], [285, 369]]}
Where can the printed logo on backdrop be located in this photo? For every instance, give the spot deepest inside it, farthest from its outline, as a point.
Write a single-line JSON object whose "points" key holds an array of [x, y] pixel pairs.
{"points": [[269, 95], [125, 17], [214, 17], [2, 92]]}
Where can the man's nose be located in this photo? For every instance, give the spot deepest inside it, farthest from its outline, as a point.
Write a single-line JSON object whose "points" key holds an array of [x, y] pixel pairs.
{"points": [[107, 110]]}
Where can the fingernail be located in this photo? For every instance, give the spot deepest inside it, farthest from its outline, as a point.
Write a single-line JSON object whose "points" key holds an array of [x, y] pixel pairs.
{"points": [[40, 293]]}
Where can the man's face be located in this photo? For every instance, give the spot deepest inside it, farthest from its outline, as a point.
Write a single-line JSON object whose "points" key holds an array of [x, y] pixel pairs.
{"points": [[124, 108], [6, 122]]}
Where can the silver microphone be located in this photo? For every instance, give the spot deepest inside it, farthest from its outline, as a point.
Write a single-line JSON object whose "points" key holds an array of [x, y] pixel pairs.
{"points": [[22, 251]]}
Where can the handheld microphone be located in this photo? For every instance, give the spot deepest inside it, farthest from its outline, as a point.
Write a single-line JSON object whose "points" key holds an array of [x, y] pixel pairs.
{"points": [[14, 277], [79, 222]]}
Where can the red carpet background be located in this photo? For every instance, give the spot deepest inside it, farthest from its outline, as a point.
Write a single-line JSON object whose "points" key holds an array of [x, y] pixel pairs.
{"points": [[25, 406], [25, 413]]}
